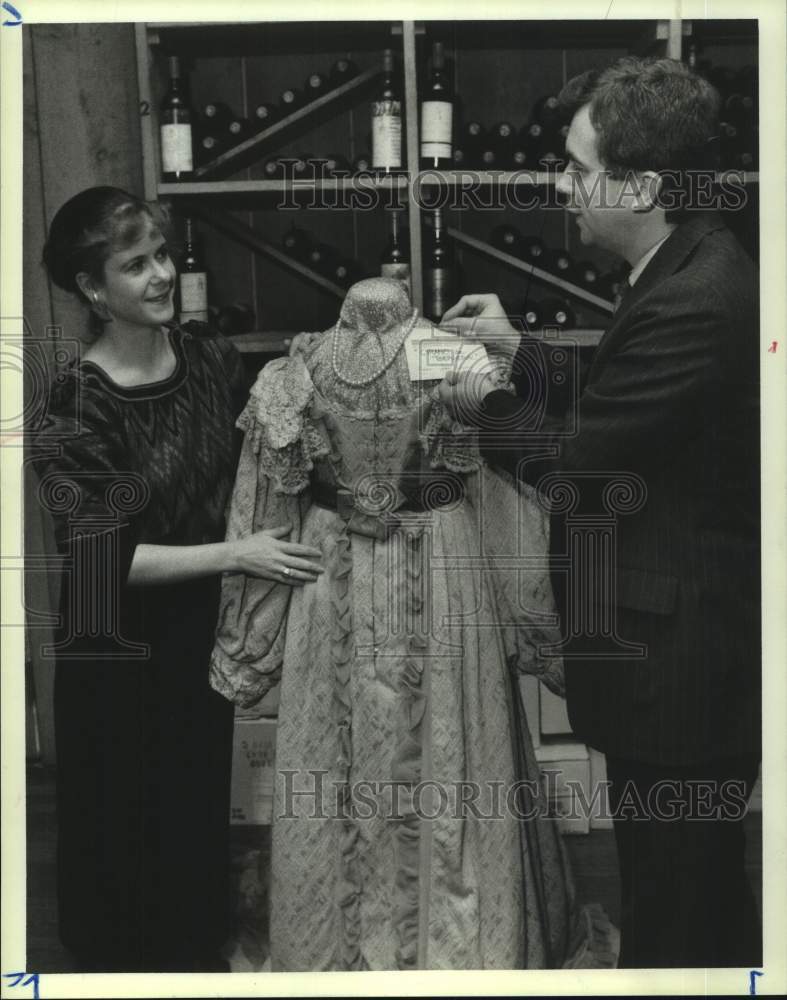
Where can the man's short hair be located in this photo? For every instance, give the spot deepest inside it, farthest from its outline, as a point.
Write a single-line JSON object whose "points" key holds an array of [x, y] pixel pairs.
{"points": [[650, 114]]}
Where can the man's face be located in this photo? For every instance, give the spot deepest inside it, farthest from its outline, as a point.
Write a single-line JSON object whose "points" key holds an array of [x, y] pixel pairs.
{"points": [[601, 205]]}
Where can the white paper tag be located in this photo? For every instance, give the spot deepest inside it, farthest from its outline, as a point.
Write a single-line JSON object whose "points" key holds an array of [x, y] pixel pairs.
{"points": [[432, 352]]}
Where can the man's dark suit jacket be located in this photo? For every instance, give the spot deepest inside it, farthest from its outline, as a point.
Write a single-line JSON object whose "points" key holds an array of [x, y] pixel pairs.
{"points": [[672, 395]]}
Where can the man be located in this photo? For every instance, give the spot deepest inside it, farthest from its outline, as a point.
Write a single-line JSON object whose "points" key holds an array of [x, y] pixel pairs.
{"points": [[670, 405]]}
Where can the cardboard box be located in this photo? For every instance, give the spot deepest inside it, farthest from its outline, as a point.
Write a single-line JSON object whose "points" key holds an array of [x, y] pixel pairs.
{"points": [[253, 768]]}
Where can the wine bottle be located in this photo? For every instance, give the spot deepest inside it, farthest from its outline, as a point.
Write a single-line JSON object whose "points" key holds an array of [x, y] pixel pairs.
{"points": [[531, 314], [296, 242], [503, 137], [345, 272], [315, 86], [238, 129], [473, 139], [192, 280], [460, 158], [387, 121], [533, 251], [362, 164], [546, 111], [335, 163], [556, 313], [238, 317], [488, 158], [520, 158], [508, 239], [729, 144], [588, 277], [551, 152], [437, 113], [559, 263], [177, 161], [272, 169], [722, 78], [530, 137], [216, 114], [395, 262], [208, 148], [439, 293], [321, 257], [342, 71], [290, 100], [264, 115]]}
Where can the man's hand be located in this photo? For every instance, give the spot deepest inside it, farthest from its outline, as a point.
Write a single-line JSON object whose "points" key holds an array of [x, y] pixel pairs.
{"points": [[481, 317], [463, 393]]}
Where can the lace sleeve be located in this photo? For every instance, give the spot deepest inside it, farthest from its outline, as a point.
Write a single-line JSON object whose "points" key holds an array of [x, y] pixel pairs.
{"points": [[280, 444], [277, 421]]}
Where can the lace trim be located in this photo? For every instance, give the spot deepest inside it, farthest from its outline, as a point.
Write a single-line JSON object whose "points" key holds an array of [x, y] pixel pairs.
{"points": [[407, 765], [277, 419], [342, 652]]}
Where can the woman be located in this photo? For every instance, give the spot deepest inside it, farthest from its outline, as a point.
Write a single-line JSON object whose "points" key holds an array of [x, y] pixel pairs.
{"points": [[408, 827], [145, 427]]}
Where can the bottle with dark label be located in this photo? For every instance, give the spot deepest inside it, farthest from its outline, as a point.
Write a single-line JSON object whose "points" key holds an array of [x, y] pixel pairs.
{"points": [[315, 86], [557, 313], [290, 100], [264, 115], [387, 121], [192, 279], [439, 278], [177, 161], [342, 72], [395, 262], [296, 242], [437, 115]]}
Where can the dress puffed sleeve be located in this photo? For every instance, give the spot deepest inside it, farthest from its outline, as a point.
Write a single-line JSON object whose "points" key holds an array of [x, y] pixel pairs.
{"points": [[281, 442]]}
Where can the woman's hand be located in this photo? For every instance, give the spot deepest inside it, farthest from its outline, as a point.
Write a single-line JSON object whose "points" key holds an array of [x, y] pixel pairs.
{"points": [[482, 317], [267, 554]]}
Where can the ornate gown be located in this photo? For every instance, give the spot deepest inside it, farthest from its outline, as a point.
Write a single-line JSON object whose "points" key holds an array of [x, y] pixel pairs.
{"points": [[404, 764], [143, 742]]}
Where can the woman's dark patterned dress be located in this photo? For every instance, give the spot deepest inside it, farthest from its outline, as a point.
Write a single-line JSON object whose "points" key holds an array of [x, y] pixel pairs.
{"points": [[144, 744]]}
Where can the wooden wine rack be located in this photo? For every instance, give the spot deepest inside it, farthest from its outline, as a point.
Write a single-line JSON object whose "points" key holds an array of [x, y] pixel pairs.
{"points": [[207, 193]]}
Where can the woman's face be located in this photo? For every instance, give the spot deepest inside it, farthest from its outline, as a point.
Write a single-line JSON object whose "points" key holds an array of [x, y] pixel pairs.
{"points": [[139, 281]]}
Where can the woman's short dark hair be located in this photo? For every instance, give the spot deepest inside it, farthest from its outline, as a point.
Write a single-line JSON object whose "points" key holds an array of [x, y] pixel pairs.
{"points": [[90, 226], [650, 114]]}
